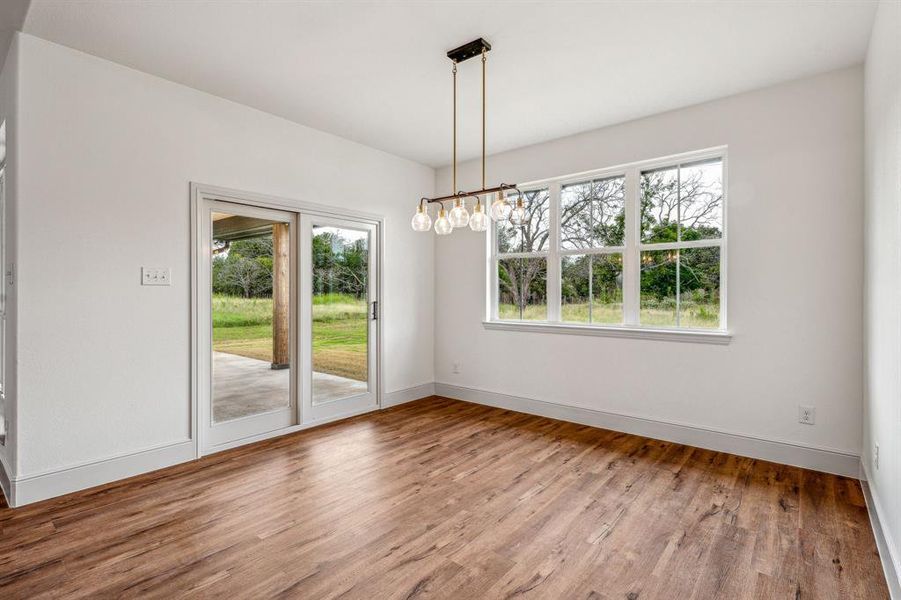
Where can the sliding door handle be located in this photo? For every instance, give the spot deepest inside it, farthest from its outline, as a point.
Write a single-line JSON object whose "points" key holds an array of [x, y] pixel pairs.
{"points": [[375, 311]]}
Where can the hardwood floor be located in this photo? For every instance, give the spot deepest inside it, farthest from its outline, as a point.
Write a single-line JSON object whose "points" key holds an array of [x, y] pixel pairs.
{"points": [[444, 499]]}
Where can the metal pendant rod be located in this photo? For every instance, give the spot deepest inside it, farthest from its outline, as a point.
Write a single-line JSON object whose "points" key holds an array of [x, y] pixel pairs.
{"points": [[457, 55], [484, 60], [502, 187], [455, 130]]}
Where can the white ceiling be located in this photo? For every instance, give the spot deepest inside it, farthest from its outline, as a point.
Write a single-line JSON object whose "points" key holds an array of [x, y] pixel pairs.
{"points": [[376, 72]]}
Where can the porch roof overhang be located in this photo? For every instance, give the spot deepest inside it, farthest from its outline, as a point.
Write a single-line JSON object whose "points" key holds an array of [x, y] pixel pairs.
{"points": [[230, 228]]}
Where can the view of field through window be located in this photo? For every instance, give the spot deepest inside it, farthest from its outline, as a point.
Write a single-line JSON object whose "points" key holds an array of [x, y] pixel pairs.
{"points": [[340, 302], [593, 217], [678, 286], [681, 287], [242, 305]]}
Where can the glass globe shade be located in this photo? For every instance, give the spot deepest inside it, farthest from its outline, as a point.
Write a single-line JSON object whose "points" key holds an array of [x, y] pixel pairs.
{"points": [[500, 209], [518, 214], [443, 225], [479, 220], [421, 220], [459, 216]]}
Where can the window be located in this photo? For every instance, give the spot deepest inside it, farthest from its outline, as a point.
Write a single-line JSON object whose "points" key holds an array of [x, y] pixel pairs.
{"points": [[639, 246], [592, 239], [522, 261]]}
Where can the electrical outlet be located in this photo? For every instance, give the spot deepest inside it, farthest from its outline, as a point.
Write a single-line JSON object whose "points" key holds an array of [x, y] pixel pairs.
{"points": [[876, 456], [807, 415], [456, 367], [154, 276]]}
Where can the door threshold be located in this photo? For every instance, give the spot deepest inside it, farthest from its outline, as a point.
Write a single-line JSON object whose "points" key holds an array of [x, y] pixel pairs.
{"points": [[284, 431]]}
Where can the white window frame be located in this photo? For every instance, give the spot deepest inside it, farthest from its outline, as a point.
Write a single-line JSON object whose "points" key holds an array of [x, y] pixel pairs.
{"points": [[631, 253]]}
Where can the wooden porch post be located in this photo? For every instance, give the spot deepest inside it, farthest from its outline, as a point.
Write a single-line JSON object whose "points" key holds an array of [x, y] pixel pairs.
{"points": [[281, 295]]}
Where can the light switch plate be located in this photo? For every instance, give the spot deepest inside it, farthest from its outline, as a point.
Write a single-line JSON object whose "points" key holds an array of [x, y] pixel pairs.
{"points": [[154, 276]]}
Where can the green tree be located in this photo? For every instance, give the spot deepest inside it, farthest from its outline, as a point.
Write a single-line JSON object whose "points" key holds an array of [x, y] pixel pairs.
{"points": [[340, 266], [248, 276], [243, 267], [680, 204]]}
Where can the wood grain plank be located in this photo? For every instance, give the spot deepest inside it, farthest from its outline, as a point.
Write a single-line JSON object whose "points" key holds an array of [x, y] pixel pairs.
{"points": [[444, 499]]}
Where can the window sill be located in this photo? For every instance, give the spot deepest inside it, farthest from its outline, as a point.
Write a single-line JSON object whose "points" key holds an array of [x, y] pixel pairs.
{"points": [[620, 331]]}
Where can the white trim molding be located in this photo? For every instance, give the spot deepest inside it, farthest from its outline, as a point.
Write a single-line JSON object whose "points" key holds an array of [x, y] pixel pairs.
{"points": [[827, 460], [42, 486], [885, 544], [50, 484], [417, 392], [618, 331]]}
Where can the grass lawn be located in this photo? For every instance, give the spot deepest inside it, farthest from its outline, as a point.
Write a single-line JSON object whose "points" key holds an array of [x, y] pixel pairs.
{"points": [[700, 316], [243, 326]]}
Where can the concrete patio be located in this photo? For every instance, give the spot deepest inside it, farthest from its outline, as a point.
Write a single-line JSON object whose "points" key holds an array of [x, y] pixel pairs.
{"points": [[245, 386]]}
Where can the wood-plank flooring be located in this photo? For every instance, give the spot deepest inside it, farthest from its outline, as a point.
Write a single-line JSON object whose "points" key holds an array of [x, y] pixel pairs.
{"points": [[444, 499]]}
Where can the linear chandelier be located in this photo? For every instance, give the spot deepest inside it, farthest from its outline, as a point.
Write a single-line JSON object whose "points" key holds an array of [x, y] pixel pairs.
{"points": [[501, 209]]}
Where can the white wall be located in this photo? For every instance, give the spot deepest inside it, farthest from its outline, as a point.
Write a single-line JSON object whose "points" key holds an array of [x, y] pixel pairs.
{"points": [[882, 413], [106, 157], [9, 113], [795, 254]]}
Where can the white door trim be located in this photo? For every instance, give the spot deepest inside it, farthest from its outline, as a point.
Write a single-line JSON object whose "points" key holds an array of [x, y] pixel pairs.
{"points": [[200, 192]]}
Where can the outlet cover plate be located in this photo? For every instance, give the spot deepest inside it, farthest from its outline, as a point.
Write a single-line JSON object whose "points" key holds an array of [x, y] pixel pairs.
{"points": [[807, 415]]}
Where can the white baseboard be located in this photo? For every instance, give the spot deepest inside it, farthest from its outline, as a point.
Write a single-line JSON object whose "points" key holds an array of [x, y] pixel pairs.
{"points": [[817, 459], [34, 488], [888, 550], [408, 395], [27, 489]]}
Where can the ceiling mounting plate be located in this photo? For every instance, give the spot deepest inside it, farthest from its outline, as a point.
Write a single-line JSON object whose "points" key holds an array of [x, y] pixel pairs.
{"points": [[467, 51]]}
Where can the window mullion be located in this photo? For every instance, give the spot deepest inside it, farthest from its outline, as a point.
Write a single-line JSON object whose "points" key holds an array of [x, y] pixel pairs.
{"points": [[553, 259], [632, 255]]}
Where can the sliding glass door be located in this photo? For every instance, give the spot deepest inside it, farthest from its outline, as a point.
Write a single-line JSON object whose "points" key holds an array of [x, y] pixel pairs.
{"points": [[339, 308], [251, 323], [287, 320]]}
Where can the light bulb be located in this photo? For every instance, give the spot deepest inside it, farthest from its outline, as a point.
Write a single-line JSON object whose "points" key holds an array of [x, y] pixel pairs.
{"points": [[518, 214], [443, 225], [421, 220], [459, 217], [479, 220], [500, 208]]}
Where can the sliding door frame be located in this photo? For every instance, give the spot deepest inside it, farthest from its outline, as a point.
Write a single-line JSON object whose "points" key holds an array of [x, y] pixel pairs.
{"points": [[200, 192], [217, 434]]}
